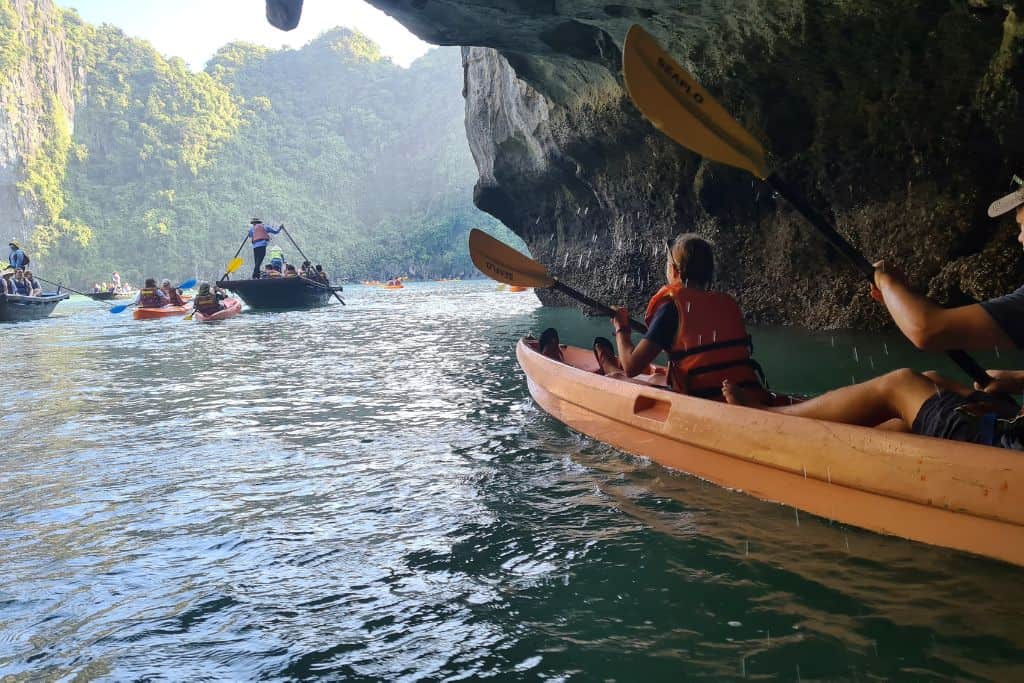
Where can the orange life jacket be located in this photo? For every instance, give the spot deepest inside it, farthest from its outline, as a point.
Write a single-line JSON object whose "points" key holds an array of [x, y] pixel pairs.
{"points": [[711, 342], [259, 233], [148, 298]]}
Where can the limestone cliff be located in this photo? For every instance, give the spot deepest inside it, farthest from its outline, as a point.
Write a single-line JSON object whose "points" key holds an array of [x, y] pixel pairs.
{"points": [[900, 120], [40, 73]]}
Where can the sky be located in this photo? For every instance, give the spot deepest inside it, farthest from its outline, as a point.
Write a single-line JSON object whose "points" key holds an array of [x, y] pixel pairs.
{"points": [[195, 29]]}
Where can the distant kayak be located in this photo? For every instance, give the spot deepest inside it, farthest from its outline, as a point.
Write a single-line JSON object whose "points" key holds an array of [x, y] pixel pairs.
{"points": [[110, 296], [946, 493], [163, 312], [517, 288], [393, 286], [232, 307]]}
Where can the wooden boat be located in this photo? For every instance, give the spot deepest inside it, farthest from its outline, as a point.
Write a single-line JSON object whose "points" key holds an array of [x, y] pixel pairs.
{"points": [[109, 296], [280, 293], [17, 308], [951, 494], [232, 307]]}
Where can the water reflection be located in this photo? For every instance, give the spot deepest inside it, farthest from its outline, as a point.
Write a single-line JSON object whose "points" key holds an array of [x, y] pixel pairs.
{"points": [[368, 492]]}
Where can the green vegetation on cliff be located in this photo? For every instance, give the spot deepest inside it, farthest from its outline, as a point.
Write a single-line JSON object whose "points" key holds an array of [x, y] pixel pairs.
{"points": [[365, 161]]}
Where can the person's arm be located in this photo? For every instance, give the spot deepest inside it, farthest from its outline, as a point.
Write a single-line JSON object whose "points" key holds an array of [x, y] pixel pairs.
{"points": [[634, 359], [274, 231], [931, 327], [1004, 382]]}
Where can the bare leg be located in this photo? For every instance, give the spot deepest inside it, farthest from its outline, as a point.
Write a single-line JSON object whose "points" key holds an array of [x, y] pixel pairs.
{"points": [[947, 384], [608, 362], [898, 394]]}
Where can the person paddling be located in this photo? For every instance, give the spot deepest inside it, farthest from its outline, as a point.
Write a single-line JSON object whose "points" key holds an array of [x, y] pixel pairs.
{"points": [[173, 295], [702, 331], [260, 234], [208, 300], [927, 403], [151, 296]]}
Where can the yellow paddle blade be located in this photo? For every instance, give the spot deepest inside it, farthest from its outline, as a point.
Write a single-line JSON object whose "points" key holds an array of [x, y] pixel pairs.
{"points": [[189, 316], [500, 262], [234, 264], [678, 106]]}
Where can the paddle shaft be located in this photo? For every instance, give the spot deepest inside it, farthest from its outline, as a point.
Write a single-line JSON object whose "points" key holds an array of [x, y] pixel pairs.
{"points": [[587, 301], [240, 248], [961, 358], [306, 258], [59, 285]]}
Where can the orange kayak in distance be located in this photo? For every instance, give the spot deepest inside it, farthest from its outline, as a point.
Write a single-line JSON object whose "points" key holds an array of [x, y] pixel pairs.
{"points": [[952, 494], [163, 312], [232, 307], [517, 288], [393, 286]]}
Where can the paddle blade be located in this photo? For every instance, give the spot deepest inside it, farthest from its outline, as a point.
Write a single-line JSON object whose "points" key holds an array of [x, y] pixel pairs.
{"points": [[120, 308], [187, 284], [500, 262], [678, 106], [233, 265]]}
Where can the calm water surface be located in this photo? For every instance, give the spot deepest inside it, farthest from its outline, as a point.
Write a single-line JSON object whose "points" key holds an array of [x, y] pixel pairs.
{"points": [[368, 492]]}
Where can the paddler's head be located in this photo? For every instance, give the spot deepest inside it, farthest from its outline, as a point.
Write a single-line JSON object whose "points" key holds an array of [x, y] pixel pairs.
{"points": [[204, 288], [1011, 202], [13, 245], [691, 261], [150, 283]]}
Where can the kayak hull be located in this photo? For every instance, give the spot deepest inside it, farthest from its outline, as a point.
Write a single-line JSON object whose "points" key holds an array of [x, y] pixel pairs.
{"points": [[393, 286], [951, 494], [164, 312], [232, 307], [16, 308]]}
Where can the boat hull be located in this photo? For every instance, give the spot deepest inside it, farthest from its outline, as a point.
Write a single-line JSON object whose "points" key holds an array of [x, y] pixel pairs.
{"points": [[164, 312], [232, 308], [16, 308], [109, 296], [951, 494], [284, 293]]}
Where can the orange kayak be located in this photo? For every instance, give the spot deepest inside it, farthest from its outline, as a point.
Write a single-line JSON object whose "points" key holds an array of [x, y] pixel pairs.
{"points": [[393, 286], [232, 307], [945, 493], [517, 288], [164, 312]]}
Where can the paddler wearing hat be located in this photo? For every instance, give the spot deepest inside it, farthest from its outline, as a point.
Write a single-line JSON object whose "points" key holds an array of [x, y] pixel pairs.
{"points": [[260, 236], [17, 258], [926, 403]]}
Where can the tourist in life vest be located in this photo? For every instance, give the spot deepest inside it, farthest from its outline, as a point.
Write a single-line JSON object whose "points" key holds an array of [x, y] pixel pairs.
{"points": [[173, 295], [701, 331], [927, 403], [16, 258], [260, 234], [208, 299], [35, 289], [21, 285], [151, 296], [5, 286]]}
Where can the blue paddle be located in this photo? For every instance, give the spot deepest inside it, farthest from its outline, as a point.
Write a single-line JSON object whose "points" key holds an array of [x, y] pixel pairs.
{"points": [[187, 284]]}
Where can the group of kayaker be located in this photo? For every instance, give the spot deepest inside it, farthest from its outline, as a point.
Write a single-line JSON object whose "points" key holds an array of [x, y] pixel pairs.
{"points": [[709, 352], [277, 266]]}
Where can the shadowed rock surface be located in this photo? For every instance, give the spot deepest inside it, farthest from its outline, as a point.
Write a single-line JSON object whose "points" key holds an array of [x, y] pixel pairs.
{"points": [[900, 120]]}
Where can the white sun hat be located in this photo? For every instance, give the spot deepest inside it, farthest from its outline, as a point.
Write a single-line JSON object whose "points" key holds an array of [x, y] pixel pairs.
{"points": [[1009, 202]]}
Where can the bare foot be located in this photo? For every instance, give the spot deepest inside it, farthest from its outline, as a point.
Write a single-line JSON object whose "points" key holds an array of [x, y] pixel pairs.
{"points": [[738, 396], [607, 362]]}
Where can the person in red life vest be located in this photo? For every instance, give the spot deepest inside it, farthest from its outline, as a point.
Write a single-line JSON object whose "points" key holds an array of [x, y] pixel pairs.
{"points": [[151, 296], [260, 234], [701, 331], [173, 295]]}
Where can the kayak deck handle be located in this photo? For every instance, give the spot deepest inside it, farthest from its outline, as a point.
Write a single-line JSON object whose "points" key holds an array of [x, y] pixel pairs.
{"points": [[651, 408]]}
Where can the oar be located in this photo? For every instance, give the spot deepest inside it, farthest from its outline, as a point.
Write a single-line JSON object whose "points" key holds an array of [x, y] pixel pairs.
{"points": [[235, 263], [500, 262], [306, 258], [184, 285], [59, 286], [677, 105]]}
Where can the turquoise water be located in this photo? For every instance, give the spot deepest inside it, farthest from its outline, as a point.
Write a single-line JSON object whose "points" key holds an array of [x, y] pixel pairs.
{"points": [[368, 492]]}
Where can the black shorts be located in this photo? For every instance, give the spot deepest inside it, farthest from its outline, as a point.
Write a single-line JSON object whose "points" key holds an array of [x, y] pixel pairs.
{"points": [[938, 417]]}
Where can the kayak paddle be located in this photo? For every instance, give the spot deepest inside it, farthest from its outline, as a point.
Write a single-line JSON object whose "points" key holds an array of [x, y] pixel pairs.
{"points": [[502, 263], [678, 106], [235, 263], [187, 284]]}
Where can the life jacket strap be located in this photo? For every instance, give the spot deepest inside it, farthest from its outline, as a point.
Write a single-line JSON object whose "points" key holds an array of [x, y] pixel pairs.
{"points": [[747, 341]]}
